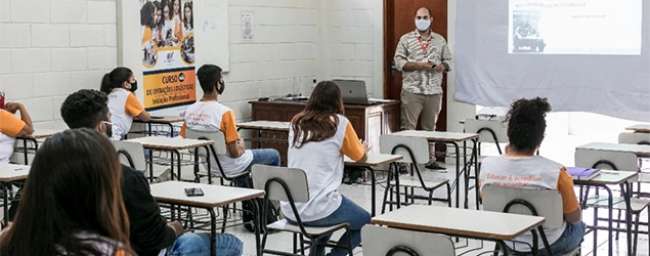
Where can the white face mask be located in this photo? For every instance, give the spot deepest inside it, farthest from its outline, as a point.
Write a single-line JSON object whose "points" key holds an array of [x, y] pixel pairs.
{"points": [[423, 25]]}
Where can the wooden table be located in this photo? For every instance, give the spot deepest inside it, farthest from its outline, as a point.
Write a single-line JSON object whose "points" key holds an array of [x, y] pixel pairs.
{"points": [[454, 139], [160, 120], [39, 134], [604, 180], [374, 160], [369, 121], [172, 145], [10, 173], [641, 128], [173, 193], [493, 226]]}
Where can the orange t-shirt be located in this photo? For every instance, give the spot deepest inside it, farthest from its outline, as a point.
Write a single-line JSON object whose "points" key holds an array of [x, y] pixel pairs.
{"points": [[133, 107], [10, 125], [352, 146], [565, 187]]}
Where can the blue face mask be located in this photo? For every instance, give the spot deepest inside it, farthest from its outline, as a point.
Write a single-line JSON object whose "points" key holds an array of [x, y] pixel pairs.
{"points": [[422, 24]]}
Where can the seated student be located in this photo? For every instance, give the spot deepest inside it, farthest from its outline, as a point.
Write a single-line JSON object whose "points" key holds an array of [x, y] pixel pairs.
{"points": [[150, 233], [12, 127], [208, 114], [72, 203], [526, 127], [120, 86], [319, 137]]}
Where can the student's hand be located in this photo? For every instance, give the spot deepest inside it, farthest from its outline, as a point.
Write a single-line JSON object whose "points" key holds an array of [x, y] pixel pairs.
{"points": [[177, 227], [13, 107], [366, 146]]}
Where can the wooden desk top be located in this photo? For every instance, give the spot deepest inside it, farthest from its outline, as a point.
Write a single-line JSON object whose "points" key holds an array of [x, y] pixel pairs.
{"points": [[608, 177], [265, 125], [639, 150], [167, 143], [161, 120], [42, 133], [374, 159], [12, 172], [642, 128], [460, 222], [173, 192], [438, 136]]}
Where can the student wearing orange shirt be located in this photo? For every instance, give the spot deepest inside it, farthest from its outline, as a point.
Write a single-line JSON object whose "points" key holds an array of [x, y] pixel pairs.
{"points": [[12, 127], [120, 85], [526, 127], [319, 137]]}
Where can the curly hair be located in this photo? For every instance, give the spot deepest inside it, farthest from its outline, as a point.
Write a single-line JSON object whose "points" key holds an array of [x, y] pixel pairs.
{"points": [[85, 109], [527, 123]]}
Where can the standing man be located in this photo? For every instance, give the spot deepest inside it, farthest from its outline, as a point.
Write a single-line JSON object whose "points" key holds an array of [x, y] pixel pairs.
{"points": [[422, 56]]}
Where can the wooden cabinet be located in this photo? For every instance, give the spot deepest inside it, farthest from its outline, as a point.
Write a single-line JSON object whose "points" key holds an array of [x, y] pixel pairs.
{"points": [[370, 122]]}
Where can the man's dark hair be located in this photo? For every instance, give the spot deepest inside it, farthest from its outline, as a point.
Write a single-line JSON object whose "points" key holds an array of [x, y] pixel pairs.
{"points": [[84, 109], [527, 123], [426, 8], [208, 76]]}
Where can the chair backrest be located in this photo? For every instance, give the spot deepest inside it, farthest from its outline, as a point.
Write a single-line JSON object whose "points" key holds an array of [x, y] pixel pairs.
{"points": [[216, 136], [295, 180], [634, 138], [135, 151], [623, 161], [378, 241], [419, 147], [483, 128], [547, 203]]}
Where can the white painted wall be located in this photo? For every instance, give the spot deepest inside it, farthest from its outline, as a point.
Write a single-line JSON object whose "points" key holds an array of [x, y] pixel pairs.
{"points": [[51, 48]]}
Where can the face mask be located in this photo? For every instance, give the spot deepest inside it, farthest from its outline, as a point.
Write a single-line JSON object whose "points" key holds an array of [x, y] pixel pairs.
{"points": [[221, 89], [134, 86], [422, 24]]}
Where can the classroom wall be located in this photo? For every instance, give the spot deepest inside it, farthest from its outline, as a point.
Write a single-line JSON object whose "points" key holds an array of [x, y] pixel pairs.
{"points": [[51, 48]]}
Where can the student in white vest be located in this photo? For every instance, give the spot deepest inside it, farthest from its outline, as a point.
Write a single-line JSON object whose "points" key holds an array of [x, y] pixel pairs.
{"points": [[319, 137], [120, 86], [519, 167]]}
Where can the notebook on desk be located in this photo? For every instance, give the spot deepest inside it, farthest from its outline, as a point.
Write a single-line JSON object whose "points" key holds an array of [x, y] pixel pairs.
{"points": [[583, 173]]}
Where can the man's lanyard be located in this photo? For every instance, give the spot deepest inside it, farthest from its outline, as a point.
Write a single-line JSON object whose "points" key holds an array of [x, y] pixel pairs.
{"points": [[424, 45]]}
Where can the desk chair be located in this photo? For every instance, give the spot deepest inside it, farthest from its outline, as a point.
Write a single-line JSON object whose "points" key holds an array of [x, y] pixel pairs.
{"points": [[536, 202], [290, 185], [614, 160], [415, 151], [383, 241], [131, 154], [490, 131], [634, 138]]}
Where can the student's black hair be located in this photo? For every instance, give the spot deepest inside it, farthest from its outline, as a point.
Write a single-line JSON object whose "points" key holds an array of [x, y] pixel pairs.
{"points": [[146, 14], [527, 123], [85, 109], [208, 76], [115, 79]]}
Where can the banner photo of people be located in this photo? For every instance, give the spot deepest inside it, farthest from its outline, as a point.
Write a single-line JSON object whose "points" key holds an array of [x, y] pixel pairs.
{"points": [[168, 53]]}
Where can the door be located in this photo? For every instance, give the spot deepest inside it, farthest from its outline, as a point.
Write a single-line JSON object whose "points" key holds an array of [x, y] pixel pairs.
{"points": [[398, 20]]}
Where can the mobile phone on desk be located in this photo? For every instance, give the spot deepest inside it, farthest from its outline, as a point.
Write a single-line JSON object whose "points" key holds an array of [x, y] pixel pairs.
{"points": [[194, 192]]}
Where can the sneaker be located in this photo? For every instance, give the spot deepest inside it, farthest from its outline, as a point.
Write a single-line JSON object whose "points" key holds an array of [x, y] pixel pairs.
{"points": [[435, 166]]}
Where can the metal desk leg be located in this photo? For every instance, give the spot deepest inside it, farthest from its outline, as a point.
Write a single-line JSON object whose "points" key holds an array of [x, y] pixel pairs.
{"points": [[171, 130], [150, 166], [178, 163], [257, 220], [213, 232], [26, 152], [457, 173], [627, 194], [5, 201]]}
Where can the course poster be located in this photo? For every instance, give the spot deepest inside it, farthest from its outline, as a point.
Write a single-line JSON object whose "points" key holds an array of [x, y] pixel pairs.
{"points": [[167, 48]]}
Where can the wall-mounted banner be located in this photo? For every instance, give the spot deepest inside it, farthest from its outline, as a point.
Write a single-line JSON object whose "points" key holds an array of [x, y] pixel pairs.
{"points": [[167, 53]]}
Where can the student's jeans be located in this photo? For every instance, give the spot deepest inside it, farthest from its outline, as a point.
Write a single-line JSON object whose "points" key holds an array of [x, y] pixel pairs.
{"points": [[570, 240], [349, 213], [198, 244], [265, 156]]}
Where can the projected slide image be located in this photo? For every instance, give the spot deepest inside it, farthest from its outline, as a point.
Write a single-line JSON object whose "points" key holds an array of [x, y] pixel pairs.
{"points": [[595, 27]]}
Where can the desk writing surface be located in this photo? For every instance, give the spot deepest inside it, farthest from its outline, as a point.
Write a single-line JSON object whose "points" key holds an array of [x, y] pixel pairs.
{"points": [[42, 133], [460, 222], [438, 136], [374, 159], [608, 177], [173, 192], [265, 125], [639, 150], [167, 143], [162, 120], [13, 172], [642, 128]]}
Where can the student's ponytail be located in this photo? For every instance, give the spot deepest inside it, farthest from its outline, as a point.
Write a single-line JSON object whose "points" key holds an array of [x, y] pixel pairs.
{"points": [[107, 85]]}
